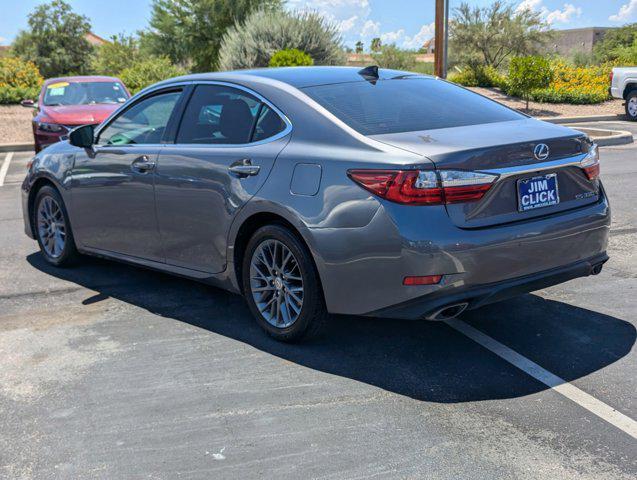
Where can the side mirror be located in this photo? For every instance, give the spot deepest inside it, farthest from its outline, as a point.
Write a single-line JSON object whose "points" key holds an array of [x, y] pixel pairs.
{"points": [[82, 137], [28, 104]]}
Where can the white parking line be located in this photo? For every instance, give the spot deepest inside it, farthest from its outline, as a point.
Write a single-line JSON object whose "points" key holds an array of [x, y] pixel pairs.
{"points": [[5, 167], [561, 386]]}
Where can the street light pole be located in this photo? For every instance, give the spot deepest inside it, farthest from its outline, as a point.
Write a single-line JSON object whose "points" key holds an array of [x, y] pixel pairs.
{"points": [[441, 38]]}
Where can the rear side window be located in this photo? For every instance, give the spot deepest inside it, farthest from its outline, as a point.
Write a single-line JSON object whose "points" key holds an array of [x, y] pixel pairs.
{"points": [[217, 114], [406, 105]]}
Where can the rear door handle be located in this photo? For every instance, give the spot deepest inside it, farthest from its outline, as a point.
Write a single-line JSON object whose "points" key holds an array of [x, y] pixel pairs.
{"points": [[244, 168], [142, 164]]}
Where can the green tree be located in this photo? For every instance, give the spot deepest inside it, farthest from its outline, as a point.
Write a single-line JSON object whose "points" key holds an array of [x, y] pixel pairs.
{"points": [[111, 58], [254, 42], [492, 34], [390, 56], [376, 44], [527, 74], [290, 58], [55, 40], [358, 48], [189, 32], [615, 43], [149, 71]]}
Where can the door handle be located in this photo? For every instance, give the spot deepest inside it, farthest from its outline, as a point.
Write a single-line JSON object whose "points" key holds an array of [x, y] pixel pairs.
{"points": [[142, 164], [244, 168]]}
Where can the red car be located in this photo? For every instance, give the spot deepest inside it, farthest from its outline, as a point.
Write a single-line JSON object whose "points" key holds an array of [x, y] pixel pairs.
{"points": [[67, 102]]}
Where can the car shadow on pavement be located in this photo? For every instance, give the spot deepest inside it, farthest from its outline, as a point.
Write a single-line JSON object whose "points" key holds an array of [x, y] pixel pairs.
{"points": [[422, 360]]}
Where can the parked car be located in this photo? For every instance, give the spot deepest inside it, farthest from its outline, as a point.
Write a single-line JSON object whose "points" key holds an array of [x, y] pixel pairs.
{"points": [[623, 84], [67, 102], [325, 189]]}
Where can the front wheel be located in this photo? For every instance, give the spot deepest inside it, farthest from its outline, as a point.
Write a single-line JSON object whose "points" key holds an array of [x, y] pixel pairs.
{"points": [[281, 285], [631, 106], [52, 228]]}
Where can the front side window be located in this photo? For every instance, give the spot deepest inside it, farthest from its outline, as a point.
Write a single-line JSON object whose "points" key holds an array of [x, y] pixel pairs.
{"points": [[217, 114], [84, 93], [407, 105], [143, 123]]}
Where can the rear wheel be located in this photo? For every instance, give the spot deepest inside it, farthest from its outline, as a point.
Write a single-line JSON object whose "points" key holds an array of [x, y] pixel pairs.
{"points": [[281, 285], [52, 228], [631, 105]]}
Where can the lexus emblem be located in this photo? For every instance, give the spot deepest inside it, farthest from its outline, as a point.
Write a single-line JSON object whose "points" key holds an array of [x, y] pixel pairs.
{"points": [[541, 151]]}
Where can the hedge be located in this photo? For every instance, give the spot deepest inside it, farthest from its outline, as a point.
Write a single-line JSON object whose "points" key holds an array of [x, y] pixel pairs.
{"points": [[19, 80]]}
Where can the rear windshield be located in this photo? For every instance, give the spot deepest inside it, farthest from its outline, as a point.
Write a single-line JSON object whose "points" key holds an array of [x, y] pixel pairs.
{"points": [[406, 105]]}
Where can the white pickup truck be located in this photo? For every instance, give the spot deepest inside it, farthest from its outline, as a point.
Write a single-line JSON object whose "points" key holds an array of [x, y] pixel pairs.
{"points": [[623, 84]]}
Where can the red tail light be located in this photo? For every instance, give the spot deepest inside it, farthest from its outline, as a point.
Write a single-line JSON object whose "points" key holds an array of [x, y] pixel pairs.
{"points": [[590, 163], [611, 77], [424, 187], [426, 280]]}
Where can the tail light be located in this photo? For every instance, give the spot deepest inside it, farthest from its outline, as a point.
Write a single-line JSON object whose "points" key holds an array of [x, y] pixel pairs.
{"points": [[590, 163], [611, 77], [424, 187]]}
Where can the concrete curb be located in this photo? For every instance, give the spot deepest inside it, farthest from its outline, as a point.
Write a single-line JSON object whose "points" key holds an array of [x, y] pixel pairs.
{"points": [[584, 118], [605, 138], [16, 147]]}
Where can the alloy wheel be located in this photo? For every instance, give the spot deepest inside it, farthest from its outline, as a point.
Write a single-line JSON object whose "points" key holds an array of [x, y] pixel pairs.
{"points": [[276, 283], [632, 107], [51, 227]]}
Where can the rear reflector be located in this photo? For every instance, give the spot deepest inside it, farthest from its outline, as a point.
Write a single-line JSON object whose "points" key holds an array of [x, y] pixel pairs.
{"points": [[424, 187], [427, 280]]}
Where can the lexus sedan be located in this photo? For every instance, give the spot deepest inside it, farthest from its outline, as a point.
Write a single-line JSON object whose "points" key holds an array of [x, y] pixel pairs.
{"points": [[68, 102], [326, 189]]}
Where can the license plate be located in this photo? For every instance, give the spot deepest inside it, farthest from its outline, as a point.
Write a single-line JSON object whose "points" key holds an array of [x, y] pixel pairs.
{"points": [[538, 192]]}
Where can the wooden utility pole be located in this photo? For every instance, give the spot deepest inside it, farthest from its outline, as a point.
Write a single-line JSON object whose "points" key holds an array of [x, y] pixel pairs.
{"points": [[441, 37]]}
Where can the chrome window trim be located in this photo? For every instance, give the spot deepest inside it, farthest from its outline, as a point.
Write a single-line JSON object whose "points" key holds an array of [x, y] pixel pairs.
{"points": [[286, 131]]}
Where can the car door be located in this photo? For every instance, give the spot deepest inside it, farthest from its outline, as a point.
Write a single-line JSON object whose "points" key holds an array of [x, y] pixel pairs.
{"points": [[113, 184], [226, 144]]}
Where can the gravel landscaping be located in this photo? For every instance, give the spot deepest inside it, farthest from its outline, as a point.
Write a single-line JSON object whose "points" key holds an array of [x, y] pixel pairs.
{"points": [[553, 109], [15, 124]]}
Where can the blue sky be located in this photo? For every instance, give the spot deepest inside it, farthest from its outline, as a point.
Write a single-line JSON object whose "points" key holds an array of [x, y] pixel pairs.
{"points": [[408, 23]]}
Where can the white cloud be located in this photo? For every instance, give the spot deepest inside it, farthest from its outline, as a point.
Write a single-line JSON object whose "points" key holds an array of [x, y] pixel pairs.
{"points": [[626, 12], [370, 29], [392, 37], [425, 33], [2, 40], [566, 14]]}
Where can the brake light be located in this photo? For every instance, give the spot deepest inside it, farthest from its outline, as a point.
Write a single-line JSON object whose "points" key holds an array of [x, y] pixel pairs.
{"points": [[590, 163], [424, 187], [426, 280], [611, 76]]}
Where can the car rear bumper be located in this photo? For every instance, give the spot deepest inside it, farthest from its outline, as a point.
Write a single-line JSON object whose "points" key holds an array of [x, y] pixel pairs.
{"points": [[423, 307], [362, 269]]}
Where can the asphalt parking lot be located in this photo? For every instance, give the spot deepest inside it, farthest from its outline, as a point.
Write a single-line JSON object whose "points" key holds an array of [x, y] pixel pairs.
{"points": [[113, 372]]}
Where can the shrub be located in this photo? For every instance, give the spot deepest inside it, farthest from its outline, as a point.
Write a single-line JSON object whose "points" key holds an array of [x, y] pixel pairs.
{"points": [[19, 80], [480, 76], [147, 72], [527, 74], [290, 58], [253, 42], [576, 85], [390, 56], [114, 56]]}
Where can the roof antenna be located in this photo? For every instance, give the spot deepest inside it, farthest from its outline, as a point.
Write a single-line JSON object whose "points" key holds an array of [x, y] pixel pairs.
{"points": [[370, 74]]}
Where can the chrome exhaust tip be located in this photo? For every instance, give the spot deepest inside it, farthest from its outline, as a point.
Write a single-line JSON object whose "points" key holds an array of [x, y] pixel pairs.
{"points": [[448, 312]]}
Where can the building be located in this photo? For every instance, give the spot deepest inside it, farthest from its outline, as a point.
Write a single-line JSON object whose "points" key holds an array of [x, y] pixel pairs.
{"points": [[428, 47], [576, 40], [95, 40]]}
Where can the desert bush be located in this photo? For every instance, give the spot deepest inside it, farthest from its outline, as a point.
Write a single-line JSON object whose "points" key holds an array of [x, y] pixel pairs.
{"points": [[478, 77], [19, 80], [253, 42], [149, 71], [390, 56], [291, 57], [527, 74]]}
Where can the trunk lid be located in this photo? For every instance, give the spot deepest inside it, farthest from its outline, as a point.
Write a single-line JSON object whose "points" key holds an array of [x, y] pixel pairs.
{"points": [[506, 148]]}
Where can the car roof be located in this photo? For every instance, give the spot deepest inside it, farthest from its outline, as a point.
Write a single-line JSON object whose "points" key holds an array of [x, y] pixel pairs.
{"points": [[298, 77], [83, 78]]}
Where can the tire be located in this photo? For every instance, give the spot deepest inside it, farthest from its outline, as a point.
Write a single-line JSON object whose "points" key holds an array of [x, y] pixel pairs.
{"points": [[52, 228], [631, 105], [274, 285]]}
